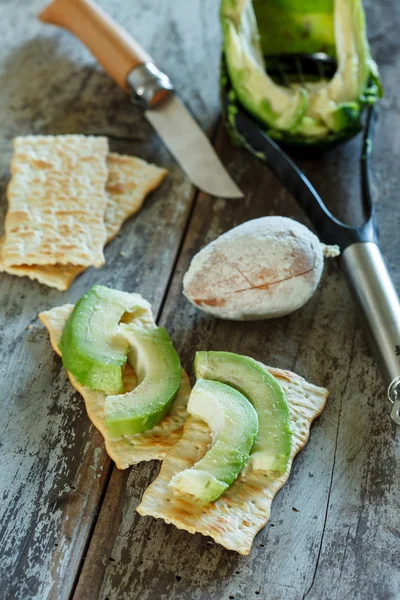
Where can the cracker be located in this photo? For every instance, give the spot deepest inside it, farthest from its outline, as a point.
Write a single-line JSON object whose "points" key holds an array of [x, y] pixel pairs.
{"points": [[130, 180], [125, 450], [56, 201], [57, 276], [236, 517]]}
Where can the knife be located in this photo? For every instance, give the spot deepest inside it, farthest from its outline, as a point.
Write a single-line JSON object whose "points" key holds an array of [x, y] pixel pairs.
{"points": [[135, 72]]}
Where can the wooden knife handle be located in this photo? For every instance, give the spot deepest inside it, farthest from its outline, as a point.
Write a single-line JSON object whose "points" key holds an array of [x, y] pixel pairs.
{"points": [[114, 48]]}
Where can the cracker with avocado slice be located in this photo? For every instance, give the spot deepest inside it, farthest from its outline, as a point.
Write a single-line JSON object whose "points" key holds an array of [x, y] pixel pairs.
{"points": [[130, 180], [235, 518], [124, 450]]}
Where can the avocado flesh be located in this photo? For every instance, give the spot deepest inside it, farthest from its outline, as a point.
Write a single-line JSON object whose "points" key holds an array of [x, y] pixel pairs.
{"points": [[272, 448], [92, 349], [158, 369], [336, 103], [282, 107], [234, 426]]}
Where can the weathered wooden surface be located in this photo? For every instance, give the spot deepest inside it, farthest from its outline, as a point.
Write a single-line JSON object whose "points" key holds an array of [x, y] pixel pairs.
{"points": [[68, 520], [53, 465]]}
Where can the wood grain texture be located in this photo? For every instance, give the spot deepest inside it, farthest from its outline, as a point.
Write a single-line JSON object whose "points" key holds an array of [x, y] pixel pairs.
{"points": [[335, 527], [297, 343], [53, 465]]}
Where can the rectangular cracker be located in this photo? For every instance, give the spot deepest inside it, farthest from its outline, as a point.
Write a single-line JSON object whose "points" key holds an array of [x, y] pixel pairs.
{"points": [[130, 180], [57, 276], [56, 201], [236, 517], [125, 450]]}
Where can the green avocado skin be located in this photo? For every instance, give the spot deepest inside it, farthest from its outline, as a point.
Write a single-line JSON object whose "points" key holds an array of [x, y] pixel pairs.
{"points": [[236, 431], [158, 368], [347, 116], [87, 346], [274, 441]]}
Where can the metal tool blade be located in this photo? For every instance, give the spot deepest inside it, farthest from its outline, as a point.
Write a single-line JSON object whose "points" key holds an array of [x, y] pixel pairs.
{"points": [[192, 149]]}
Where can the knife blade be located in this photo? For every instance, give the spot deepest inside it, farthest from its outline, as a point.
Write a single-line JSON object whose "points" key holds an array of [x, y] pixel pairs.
{"points": [[135, 72], [200, 162]]}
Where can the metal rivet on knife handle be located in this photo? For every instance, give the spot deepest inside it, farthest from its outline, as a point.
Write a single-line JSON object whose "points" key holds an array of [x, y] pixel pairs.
{"points": [[148, 85]]}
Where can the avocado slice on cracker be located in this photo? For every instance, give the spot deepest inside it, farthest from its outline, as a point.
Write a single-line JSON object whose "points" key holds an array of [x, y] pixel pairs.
{"points": [[234, 426], [92, 348], [272, 447], [158, 368]]}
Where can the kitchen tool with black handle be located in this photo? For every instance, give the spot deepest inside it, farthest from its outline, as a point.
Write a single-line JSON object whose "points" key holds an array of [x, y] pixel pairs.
{"points": [[361, 258]]}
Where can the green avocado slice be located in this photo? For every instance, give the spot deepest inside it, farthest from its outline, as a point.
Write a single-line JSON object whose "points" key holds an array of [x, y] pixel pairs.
{"points": [[92, 349], [272, 448], [158, 369], [234, 426]]}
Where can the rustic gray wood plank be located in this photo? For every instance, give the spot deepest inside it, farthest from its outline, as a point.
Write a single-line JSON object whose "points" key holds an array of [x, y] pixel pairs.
{"points": [[359, 554], [342, 542], [148, 555], [53, 465], [342, 539]]}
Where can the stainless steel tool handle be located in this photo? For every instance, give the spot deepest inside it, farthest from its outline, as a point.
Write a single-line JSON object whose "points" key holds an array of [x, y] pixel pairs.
{"points": [[372, 286]]}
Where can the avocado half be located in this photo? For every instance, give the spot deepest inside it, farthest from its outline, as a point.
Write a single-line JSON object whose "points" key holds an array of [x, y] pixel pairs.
{"points": [[316, 113]]}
